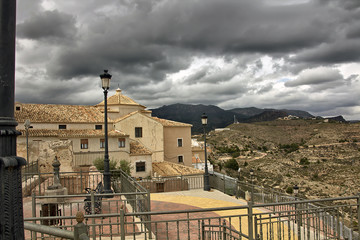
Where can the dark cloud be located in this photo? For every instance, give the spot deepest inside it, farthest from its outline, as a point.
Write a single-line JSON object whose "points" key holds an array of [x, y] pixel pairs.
{"points": [[228, 52], [48, 25]]}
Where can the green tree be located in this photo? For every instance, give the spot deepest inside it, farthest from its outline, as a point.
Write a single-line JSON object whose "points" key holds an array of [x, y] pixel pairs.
{"points": [[99, 164], [125, 166], [232, 164]]}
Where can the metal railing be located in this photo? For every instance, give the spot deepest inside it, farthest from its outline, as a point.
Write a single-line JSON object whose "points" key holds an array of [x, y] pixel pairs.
{"points": [[30, 170], [128, 215], [173, 183]]}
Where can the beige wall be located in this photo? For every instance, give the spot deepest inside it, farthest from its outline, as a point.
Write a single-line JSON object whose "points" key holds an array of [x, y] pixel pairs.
{"points": [[148, 165], [172, 151], [118, 111], [89, 154], [153, 135]]}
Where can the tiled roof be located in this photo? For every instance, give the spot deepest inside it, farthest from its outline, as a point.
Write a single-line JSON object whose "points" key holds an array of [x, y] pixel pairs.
{"points": [[119, 98], [53, 113], [169, 123], [124, 117], [71, 133], [137, 149], [172, 169]]}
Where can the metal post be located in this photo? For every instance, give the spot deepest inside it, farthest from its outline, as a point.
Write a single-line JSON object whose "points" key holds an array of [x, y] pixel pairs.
{"points": [[122, 224], [250, 221], [206, 175], [358, 212], [107, 182], [11, 205]]}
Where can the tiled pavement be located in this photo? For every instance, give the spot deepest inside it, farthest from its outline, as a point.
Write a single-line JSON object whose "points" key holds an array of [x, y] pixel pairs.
{"points": [[192, 199]]}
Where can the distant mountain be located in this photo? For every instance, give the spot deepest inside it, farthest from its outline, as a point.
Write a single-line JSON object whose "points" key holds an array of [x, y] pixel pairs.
{"points": [[252, 111], [192, 114], [220, 118], [337, 119], [268, 115]]}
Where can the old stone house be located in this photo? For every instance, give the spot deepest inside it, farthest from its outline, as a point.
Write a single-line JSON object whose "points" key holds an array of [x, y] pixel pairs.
{"points": [[134, 135]]}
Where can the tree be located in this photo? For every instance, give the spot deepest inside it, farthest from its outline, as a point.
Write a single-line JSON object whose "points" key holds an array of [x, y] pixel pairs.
{"points": [[232, 164], [125, 166]]}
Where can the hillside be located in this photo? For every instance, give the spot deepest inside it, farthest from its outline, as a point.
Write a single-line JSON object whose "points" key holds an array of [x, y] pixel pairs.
{"points": [[218, 117], [323, 159]]}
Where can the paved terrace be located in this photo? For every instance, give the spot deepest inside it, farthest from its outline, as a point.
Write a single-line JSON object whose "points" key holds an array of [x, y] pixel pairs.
{"points": [[182, 200]]}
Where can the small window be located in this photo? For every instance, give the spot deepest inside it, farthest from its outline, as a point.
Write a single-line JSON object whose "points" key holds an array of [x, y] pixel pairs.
{"points": [[180, 142], [180, 159], [62, 126], [140, 167], [138, 132], [121, 142], [17, 108], [98, 127], [102, 143], [84, 144]]}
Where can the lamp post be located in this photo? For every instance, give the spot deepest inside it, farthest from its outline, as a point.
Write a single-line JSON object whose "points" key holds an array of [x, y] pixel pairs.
{"points": [[11, 202], [27, 125], [105, 83], [252, 185], [206, 174], [298, 219]]}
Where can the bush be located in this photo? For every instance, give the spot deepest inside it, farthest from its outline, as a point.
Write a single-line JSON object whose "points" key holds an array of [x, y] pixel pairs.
{"points": [[99, 164], [232, 164], [304, 161], [288, 148], [125, 166], [289, 190]]}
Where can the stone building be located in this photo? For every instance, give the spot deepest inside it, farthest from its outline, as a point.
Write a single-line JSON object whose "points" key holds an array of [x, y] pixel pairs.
{"points": [[134, 135]]}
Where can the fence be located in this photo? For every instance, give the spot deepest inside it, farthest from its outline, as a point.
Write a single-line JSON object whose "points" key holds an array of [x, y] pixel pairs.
{"points": [[274, 215], [173, 183], [29, 170], [340, 220]]}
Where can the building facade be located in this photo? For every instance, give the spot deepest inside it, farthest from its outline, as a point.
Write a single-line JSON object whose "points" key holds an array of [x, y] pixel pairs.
{"points": [[134, 135]]}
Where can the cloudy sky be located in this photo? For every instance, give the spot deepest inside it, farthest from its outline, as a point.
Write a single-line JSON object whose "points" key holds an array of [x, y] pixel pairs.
{"points": [[293, 54]]}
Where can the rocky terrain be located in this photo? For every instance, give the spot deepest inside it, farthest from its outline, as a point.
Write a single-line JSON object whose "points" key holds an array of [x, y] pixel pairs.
{"points": [[322, 158]]}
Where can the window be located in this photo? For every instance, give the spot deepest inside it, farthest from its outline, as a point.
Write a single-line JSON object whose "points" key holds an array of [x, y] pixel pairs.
{"points": [[62, 126], [180, 142], [84, 144], [98, 127], [18, 108], [140, 167], [181, 159], [138, 132], [121, 142], [102, 143]]}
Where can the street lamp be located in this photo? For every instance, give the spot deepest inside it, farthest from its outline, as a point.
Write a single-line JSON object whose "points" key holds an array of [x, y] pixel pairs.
{"points": [[252, 185], [206, 175], [105, 83], [298, 218], [27, 125]]}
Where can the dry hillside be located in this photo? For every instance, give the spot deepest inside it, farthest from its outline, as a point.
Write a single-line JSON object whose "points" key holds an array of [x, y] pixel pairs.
{"points": [[323, 159]]}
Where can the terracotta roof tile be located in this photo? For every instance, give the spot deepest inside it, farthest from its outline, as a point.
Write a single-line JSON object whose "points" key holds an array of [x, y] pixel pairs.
{"points": [[137, 149], [71, 133], [169, 123], [119, 98], [53, 113]]}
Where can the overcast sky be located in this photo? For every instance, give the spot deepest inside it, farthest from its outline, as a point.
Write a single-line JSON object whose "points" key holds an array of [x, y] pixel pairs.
{"points": [[293, 54]]}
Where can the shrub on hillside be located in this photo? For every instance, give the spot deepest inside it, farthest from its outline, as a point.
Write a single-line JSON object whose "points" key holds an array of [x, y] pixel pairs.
{"points": [[232, 164]]}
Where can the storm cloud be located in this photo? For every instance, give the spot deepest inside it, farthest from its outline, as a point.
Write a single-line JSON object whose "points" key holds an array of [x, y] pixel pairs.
{"points": [[230, 53]]}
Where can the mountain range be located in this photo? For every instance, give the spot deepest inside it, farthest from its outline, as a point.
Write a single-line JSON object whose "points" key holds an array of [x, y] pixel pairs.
{"points": [[220, 118]]}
